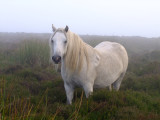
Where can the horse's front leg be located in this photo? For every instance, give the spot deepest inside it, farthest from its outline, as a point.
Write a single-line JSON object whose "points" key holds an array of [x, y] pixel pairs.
{"points": [[69, 92], [88, 88]]}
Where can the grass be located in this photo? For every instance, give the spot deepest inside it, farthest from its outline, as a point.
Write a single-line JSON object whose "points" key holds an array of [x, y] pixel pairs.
{"points": [[30, 89]]}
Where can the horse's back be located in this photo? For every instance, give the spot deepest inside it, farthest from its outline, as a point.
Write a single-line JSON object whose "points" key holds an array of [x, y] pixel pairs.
{"points": [[113, 49], [109, 46]]}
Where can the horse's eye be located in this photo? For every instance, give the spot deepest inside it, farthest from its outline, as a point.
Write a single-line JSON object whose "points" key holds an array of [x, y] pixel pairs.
{"points": [[65, 41], [51, 41]]}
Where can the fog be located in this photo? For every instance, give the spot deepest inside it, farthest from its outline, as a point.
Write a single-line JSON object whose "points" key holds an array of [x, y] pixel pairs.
{"points": [[94, 17]]}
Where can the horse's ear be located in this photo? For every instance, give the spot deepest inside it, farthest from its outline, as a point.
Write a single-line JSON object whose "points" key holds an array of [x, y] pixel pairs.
{"points": [[66, 29], [53, 28]]}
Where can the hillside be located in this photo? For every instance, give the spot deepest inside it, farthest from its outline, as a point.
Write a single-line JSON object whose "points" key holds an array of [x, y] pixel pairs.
{"points": [[31, 89]]}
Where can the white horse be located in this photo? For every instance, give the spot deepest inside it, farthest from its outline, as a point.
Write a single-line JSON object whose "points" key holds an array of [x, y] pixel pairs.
{"points": [[85, 66]]}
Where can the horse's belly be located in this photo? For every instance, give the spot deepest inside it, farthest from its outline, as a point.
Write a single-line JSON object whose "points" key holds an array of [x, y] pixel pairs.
{"points": [[103, 81], [106, 76]]}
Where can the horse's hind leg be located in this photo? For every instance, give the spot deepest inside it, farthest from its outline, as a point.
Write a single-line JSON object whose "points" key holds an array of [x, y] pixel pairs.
{"points": [[117, 83]]}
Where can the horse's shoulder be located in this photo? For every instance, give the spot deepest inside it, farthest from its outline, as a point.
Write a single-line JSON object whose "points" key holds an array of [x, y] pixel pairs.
{"points": [[97, 58], [93, 54]]}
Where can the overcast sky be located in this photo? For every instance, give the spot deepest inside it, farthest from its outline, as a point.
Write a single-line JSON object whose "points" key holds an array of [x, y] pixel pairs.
{"points": [[100, 17]]}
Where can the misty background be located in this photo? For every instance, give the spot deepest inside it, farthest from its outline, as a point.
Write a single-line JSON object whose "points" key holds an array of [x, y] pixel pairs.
{"points": [[93, 17], [29, 82]]}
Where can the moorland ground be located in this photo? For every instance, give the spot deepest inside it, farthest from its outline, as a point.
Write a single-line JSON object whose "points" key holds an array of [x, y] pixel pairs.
{"points": [[31, 89]]}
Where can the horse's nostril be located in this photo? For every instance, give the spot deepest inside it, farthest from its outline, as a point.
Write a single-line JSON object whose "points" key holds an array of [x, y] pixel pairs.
{"points": [[59, 58], [52, 57]]}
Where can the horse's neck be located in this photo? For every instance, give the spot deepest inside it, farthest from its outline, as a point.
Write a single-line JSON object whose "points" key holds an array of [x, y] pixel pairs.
{"points": [[89, 48]]}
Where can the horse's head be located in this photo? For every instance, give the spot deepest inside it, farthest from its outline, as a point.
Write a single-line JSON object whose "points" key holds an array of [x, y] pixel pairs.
{"points": [[58, 44]]}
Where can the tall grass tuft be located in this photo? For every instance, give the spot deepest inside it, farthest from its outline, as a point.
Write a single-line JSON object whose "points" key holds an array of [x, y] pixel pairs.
{"points": [[33, 52]]}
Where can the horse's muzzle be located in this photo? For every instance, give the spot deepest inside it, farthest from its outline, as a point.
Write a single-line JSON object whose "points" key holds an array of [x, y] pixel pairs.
{"points": [[56, 59]]}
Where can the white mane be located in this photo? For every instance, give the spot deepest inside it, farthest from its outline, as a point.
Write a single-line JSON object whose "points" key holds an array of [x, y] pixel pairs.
{"points": [[76, 52]]}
